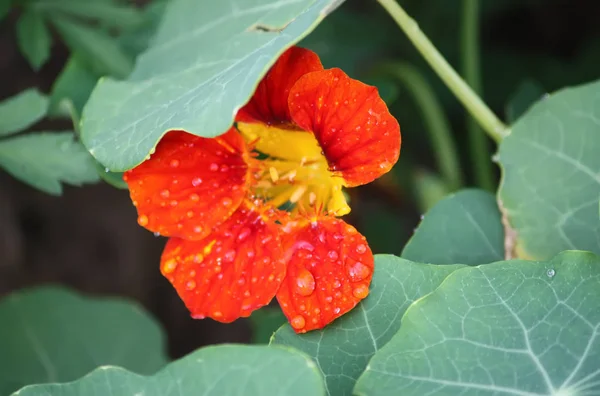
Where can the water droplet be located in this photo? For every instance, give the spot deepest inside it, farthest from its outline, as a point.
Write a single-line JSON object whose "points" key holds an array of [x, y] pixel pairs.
{"points": [[336, 310], [143, 220], [244, 233], [190, 285], [271, 278], [360, 291], [157, 234], [298, 322], [305, 283], [226, 201], [214, 167], [198, 316], [198, 258], [337, 284], [174, 163], [229, 256], [197, 229], [196, 181], [217, 314], [250, 253], [106, 170], [551, 273], [329, 299], [361, 248], [169, 266], [333, 255], [317, 311], [194, 197], [224, 168], [165, 193], [358, 271], [496, 158], [422, 217], [190, 214], [241, 281]]}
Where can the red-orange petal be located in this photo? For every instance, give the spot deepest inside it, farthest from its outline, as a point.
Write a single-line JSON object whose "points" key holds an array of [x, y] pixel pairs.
{"points": [[329, 272], [269, 104], [359, 136], [234, 271], [190, 184]]}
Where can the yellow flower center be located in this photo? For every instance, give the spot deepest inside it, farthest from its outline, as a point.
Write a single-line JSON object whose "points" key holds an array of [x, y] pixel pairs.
{"points": [[295, 169]]}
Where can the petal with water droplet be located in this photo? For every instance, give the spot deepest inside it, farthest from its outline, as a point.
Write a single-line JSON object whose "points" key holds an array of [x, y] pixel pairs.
{"points": [[177, 180], [323, 292], [358, 135], [215, 277]]}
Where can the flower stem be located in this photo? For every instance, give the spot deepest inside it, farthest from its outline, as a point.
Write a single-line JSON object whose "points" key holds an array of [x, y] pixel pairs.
{"points": [[478, 142], [479, 110], [437, 123]]}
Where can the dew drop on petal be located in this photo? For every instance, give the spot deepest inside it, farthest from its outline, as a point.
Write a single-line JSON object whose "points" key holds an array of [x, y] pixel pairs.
{"points": [[190, 285], [169, 266], [229, 256], [196, 181], [197, 229], [298, 322], [360, 291], [305, 283], [214, 167], [157, 234], [194, 197], [337, 284], [198, 316], [174, 163], [333, 255], [336, 310], [143, 220], [361, 248], [165, 193], [217, 314], [358, 271], [226, 201], [244, 233]]}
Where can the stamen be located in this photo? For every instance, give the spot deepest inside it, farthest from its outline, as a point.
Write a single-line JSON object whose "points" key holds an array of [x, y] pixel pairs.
{"points": [[312, 197], [300, 190], [274, 174]]}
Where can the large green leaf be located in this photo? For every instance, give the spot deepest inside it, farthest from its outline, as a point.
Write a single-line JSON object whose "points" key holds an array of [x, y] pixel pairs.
{"points": [[465, 227], [21, 111], [34, 38], [551, 174], [205, 62], [508, 328], [343, 349], [218, 370], [45, 159], [51, 335]]}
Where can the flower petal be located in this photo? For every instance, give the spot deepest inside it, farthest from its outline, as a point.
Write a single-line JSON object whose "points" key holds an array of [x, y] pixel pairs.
{"points": [[329, 272], [359, 136], [235, 270], [190, 185], [269, 104]]}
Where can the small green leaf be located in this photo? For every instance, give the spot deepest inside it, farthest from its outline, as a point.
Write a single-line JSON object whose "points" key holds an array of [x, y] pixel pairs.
{"points": [[101, 52], [525, 96], [551, 174], [205, 62], [109, 14], [21, 111], [211, 371], [34, 38], [508, 328], [75, 82], [54, 335], [45, 159], [343, 349], [465, 227]]}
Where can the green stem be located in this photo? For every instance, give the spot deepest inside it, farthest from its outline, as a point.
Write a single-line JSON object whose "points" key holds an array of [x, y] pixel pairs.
{"points": [[437, 123], [478, 143], [479, 110]]}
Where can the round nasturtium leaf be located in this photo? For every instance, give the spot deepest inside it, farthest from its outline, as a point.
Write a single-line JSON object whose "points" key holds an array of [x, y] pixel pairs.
{"points": [[212, 371], [551, 174], [507, 328]]}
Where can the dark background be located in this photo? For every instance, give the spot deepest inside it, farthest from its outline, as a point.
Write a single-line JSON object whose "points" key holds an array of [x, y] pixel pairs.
{"points": [[88, 239]]}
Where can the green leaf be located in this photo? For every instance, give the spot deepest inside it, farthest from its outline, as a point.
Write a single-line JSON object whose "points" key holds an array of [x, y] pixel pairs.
{"points": [[551, 174], [51, 334], [265, 323], [343, 349], [217, 370], [526, 95], [75, 82], [34, 38], [430, 188], [465, 227], [5, 6], [204, 64], [508, 328], [45, 159], [109, 14], [115, 179], [101, 52], [21, 111]]}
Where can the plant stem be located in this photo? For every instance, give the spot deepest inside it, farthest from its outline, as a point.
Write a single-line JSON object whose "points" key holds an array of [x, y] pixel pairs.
{"points": [[470, 49], [484, 116], [437, 123]]}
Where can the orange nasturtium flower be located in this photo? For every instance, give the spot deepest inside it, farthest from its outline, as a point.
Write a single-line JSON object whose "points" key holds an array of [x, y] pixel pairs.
{"points": [[306, 133]]}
